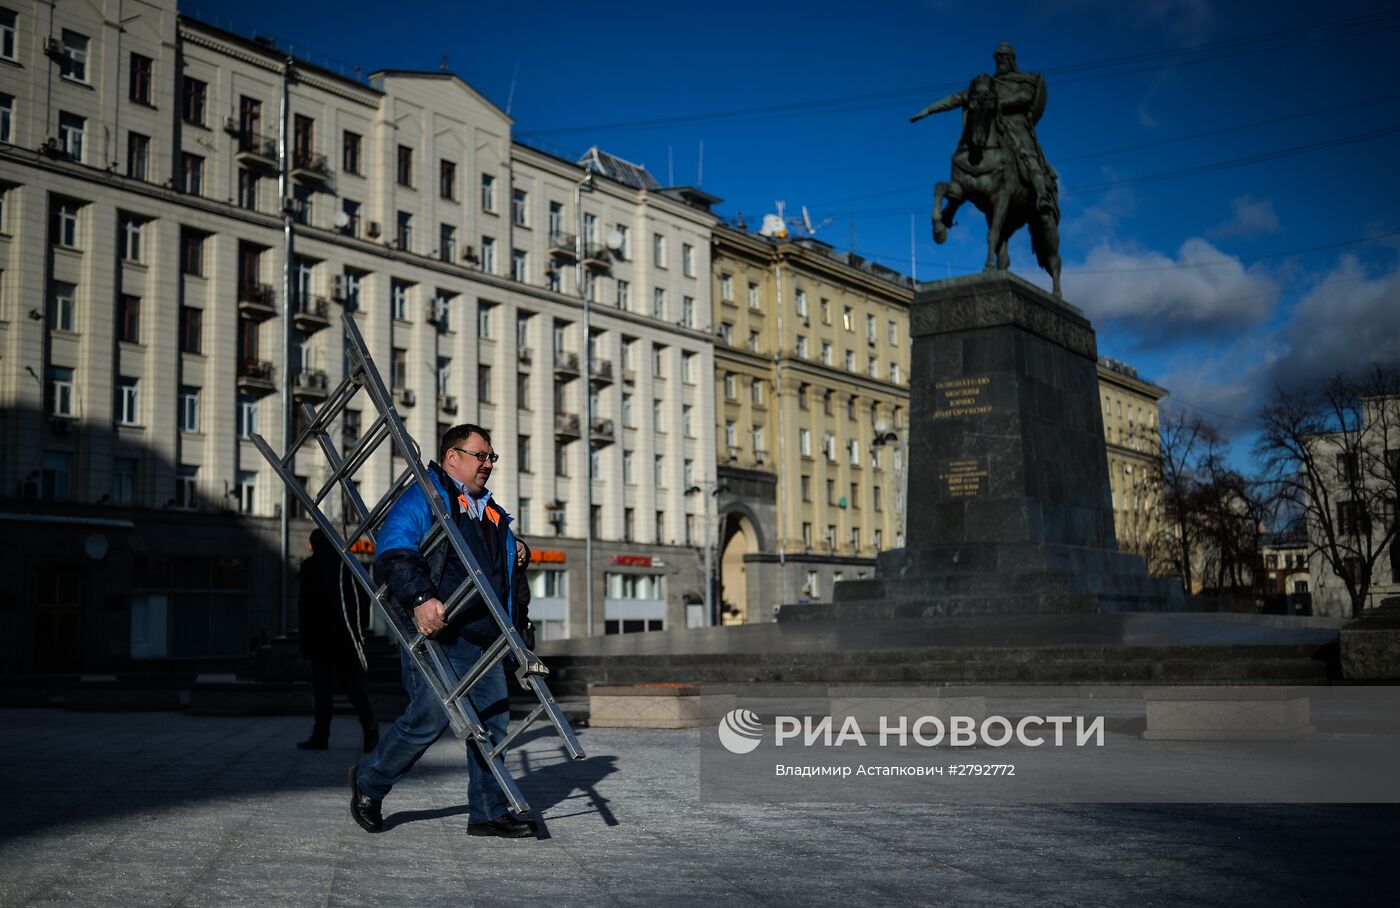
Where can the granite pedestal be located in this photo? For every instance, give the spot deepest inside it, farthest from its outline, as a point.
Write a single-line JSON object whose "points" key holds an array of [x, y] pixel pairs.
{"points": [[1009, 500]]}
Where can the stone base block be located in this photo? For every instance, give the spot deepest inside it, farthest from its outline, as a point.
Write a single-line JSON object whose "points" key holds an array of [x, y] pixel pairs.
{"points": [[655, 706], [1227, 714], [868, 705]]}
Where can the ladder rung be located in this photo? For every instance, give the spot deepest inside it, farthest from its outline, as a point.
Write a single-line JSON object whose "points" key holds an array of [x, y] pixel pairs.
{"points": [[357, 456], [494, 653], [524, 723], [384, 504]]}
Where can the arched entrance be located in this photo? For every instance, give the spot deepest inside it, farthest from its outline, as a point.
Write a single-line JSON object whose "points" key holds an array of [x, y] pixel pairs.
{"points": [[738, 539]]}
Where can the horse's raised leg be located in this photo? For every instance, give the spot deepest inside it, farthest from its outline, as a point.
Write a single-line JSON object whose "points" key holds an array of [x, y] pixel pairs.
{"points": [[1050, 239], [946, 199], [1003, 256]]}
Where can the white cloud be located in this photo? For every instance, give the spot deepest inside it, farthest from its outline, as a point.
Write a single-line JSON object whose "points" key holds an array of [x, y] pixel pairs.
{"points": [[1161, 298], [1349, 321], [1249, 217]]}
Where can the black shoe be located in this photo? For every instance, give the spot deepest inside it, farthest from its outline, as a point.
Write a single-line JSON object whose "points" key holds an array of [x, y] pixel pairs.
{"points": [[505, 826], [313, 743], [371, 738], [366, 810]]}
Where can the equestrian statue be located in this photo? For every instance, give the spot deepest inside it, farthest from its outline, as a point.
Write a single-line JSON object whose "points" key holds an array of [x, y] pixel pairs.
{"points": [[999, 165]]}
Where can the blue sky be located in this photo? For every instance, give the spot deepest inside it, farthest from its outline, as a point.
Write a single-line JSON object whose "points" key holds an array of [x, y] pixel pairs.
{"points": [[1201, 169]]}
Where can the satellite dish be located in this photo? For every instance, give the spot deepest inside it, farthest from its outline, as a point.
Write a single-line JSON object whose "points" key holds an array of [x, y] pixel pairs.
{"points": [[615, 240], [342, 220]]}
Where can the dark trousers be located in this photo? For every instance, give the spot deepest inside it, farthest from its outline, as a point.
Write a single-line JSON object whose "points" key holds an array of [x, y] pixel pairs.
{"points": [[326, 675]]}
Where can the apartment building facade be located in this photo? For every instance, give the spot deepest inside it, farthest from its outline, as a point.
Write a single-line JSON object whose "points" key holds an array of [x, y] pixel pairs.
{"points": [[141, 331], [1131, 425], [811, 402]]}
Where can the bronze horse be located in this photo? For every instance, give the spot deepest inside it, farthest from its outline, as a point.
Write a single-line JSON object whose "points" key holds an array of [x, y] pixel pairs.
{"points": [[986, 173]]}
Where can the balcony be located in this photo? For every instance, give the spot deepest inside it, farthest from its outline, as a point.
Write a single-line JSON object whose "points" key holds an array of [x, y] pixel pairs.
{"points": [[256, 150], [565, 363], [596, 256], [255, 377], [312, 314], [601, 430], [566, 425], [600, 371], [311, 384], [309, 166], [563, 245], [257, 301]]}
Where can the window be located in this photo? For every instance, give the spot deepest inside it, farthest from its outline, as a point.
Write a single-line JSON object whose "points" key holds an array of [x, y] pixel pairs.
{"points": [[831, 492], [893, 333], [192, 172], [756, 392], [398, 300], [60, 391], [825, 308], [826, 402], [851, 407], [726, 288], [192, 253], [520, 207], [629, 467], [628, 421], [303, 141], [488, 254], [7, 117], [658, 474], [519, 265], [138, 153], [802, 345], [658, 250], [66, 224], [688, 311], [624, 245], [350, 152], [74, 63], [61, 306], [656, 423], [352, 217], [128, 403], [522, 390], [853, 451], [855, 539], [688, 368], [753, 342], [829, 447], [826, 353], [140, 88], [522, 453], [658, 303], [556, 222], [807, 544], [447, 242], [800, 297], [248, 190], [688, 259], [447, 180], [624, 295], [196, 97], [403, 235], [187, 487], [404, 170], [7, 34], [628, 524], [484, 313], [398, 367], [730, 386], [522, 329], [894, 373], [688, 473], [124, 480], [561, 459], [129, 319], [855, 496], [483, 384], [848, 318], [687, 422], [731, 433], [725, 333], [56, 475], [806, 485], [850, 361], [488, 192], [874, 367], [71, 129], [189, 409], [804, 442], [802, 396], [753, 295], [191, 330], [248, 417], [1352, 519]]}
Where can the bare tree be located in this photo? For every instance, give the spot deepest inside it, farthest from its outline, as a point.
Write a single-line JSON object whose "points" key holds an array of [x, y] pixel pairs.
{"points": [[1334, 455], [1183, 437], [1230, 512]]}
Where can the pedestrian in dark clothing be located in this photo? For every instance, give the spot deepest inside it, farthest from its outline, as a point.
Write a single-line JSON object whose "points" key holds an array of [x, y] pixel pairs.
{"points": [[330, 603]]}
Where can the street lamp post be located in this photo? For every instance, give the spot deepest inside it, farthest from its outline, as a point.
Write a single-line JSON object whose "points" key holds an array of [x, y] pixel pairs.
{"points": [[708, 551], [585, 184]]}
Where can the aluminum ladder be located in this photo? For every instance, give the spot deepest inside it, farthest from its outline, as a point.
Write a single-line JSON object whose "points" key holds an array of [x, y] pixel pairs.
{"points": [[451, 691]]}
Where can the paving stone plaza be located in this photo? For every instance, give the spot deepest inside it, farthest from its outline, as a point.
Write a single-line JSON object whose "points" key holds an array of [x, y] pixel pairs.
{"points": [[164, 809]]}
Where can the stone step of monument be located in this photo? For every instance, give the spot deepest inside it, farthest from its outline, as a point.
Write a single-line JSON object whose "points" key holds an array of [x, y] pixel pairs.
{"points": [[975, 665]]}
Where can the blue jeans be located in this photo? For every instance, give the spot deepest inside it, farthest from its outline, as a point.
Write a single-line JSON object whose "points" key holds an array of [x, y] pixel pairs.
{"points": [[424, 722]]}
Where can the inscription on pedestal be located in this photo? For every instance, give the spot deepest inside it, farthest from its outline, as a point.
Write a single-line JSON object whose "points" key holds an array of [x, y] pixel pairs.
{"points": [[961, 397], [965, 478]]}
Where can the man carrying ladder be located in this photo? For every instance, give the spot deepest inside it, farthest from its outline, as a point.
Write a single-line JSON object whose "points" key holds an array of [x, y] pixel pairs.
{"points": [[419, 585]]}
